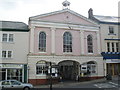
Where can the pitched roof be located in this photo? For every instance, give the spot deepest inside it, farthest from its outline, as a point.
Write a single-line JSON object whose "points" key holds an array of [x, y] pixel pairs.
{"points": [[12, 25], [109, 19], [61, 11]]}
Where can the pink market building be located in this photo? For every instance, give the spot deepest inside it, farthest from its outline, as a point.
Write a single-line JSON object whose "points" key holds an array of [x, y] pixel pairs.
{"points": [[70, 41]]}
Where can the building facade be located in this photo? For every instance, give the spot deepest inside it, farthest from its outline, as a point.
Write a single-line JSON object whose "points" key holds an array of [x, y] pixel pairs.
{"points": [[110, 41], [13, 50], [68, 40]]}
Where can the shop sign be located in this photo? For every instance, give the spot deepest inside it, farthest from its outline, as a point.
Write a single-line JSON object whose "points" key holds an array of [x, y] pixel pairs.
{"points": [[84, 68], [112, 61], [11, 65]]}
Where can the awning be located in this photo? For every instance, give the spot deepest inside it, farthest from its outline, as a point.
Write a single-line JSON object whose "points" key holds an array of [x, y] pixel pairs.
{"points": [[111, 55]]}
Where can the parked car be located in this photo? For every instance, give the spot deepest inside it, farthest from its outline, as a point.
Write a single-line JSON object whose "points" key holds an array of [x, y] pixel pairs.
{"points": [[15, 84]]}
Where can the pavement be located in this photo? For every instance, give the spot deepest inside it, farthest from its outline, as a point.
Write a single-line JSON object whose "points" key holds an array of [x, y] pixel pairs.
{"points": [[69, 83]]}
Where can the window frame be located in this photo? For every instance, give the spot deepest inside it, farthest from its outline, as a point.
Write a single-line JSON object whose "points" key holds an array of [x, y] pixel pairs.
{"points": [[111, 29], [108, 46], [9, 37], [42, 47], [67, 42], [113, 47], [7, 54], [90, 44], [41, 69], [117, 46]]}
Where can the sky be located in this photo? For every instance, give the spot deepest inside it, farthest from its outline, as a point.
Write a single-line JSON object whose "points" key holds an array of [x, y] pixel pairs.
{"points": [[21, 10]]}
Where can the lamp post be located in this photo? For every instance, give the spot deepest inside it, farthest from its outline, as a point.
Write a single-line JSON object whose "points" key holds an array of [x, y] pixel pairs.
{"points": [[50, 76]]}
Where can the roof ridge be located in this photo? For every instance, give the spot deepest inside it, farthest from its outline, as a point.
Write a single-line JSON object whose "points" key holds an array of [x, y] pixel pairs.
{"points": [[106, 16], [13, 21]]}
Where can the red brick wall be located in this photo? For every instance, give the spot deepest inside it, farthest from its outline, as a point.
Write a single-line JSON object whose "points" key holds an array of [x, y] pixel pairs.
{"points": [[41, 81], [38, 81]]}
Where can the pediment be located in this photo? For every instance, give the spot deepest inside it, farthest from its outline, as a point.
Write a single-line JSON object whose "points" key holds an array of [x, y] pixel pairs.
{"points": [[64, 16]]}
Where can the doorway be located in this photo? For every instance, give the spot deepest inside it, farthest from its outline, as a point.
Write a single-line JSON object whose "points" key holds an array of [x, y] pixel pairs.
{"points": [[69, 70]]}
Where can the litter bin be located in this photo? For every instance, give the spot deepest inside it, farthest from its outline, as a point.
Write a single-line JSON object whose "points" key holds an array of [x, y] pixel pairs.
{"points": [[108, 77]]}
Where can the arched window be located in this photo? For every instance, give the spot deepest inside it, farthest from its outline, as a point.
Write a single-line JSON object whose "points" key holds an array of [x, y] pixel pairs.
{"points": [[67, 42], [90, 44], [41, 68], [42, 42], [91, 67]]}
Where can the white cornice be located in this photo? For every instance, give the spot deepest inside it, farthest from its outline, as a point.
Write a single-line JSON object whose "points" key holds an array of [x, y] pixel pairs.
{"points": [[64, 25], [61, 11]]}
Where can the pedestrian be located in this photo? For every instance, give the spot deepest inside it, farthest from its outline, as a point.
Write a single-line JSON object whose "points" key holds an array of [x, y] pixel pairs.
{"points": [[77, 78], [60, 78]]}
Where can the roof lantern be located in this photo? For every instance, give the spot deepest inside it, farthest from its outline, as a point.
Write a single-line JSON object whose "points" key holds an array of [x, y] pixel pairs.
{"points": [[66, 4]]}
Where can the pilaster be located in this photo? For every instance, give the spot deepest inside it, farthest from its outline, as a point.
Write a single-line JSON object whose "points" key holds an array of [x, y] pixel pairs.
{"points": [[53, 40], [82, 42], [98, 42], [32, 39]]}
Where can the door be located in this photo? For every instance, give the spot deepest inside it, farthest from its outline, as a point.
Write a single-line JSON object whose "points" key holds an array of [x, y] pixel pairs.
{"points": [[3, 74]]}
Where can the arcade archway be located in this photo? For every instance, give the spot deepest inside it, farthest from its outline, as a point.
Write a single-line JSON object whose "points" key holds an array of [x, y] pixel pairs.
{"points": [[69, 69]]}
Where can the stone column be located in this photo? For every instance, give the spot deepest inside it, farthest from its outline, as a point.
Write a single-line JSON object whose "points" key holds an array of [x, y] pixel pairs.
{"points": [[32, 39], [115, 50], [53, 40], [110, 47], [82, 42]]}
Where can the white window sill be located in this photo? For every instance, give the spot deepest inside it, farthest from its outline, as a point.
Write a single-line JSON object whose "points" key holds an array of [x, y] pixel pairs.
{"points": [[41, 75], [67, 53], [7, 42], [7, 58], [42, 52], [90, 53], [111, 34]]}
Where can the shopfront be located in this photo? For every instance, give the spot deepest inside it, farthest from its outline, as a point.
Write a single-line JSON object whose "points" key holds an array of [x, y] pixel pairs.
{"points": [[14, 71], [112, 61]]}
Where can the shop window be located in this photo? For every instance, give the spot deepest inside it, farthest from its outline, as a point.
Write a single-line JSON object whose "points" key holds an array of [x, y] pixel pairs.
{"points": [[42, 42], [91, 68], [90, 44], [67, 42], [41, 68]]}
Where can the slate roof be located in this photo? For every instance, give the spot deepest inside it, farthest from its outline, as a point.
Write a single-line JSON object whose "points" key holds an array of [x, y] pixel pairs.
{"points": [[11, 25], [111, 19]]}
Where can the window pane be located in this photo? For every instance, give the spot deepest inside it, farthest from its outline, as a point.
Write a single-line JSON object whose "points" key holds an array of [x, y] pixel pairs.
{"points": [[111, 29], [113, 47], [108, 46], [117, 47], [42, 42], [3, 54], [90, 44], [9, 54], [4, 38], [11, 37], [67, 42]]}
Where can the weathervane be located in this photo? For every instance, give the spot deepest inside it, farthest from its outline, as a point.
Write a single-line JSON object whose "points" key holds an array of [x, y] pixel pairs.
{"points": [[66, 4]]}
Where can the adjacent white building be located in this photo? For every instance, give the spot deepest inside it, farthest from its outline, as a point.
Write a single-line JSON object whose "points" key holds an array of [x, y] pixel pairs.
{"points": [[110, 41], [14, 42]]}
